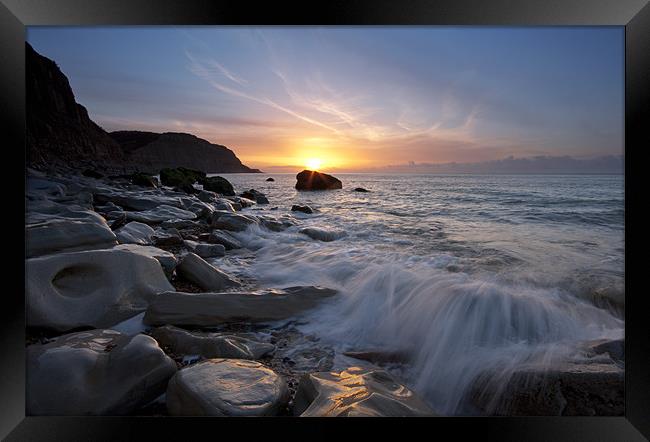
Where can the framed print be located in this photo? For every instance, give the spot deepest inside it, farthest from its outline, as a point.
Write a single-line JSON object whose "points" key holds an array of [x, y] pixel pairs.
{"points": [[417, 212]]}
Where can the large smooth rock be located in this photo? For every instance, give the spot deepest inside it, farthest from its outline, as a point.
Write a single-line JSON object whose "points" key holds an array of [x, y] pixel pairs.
{"points": [[97, 372], [210, 345], [134, 233], [206, 250], [203, 274], [232, 221], [225, 239], [166, 259], [144, 200], [256, 196], [312, 180], [92, 288], [60, 235], [218, 184], [356, 392], [167, 237], [303, 209], [325, 235], [226, 387], [209, 309], [225, 205], [46, 210], [572, 389], [160, 214]]}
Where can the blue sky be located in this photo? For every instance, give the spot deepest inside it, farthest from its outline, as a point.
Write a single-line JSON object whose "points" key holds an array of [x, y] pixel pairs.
{"points": [[354, 97]]}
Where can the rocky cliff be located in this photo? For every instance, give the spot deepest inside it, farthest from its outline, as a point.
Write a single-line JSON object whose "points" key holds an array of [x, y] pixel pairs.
{"points": [[59, 131], [60, 134], [150, 152]]}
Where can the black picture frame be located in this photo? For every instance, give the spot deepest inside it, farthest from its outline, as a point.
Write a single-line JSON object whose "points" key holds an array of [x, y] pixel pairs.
{"points": [[634, 15]]}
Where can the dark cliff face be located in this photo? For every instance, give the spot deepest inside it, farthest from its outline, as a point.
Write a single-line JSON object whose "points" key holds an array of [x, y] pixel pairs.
{"points": [[59, 131], [152, 152], [60, 134]]}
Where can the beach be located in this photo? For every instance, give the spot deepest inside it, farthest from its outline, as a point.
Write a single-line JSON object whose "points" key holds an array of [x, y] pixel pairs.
{"points": [[423, 295]]}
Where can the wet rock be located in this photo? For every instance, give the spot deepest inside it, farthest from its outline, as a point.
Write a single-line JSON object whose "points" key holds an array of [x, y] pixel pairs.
{"points": [[225, 205], [210, 345], [198, 271], [166, 237], [209, 309], [179, 224], [380, 356], [218, 184], [303, 209], [160, 214], [134, 233], [98, 372], [206, 250], [206, 196], [226, 387], [139, 201], [361, 189], [232, 221], [356, 392], [144, 180], [319, 234], [225, 239], [312, 180], [270, 179], [166, 259], [58, 235], [614, 348], [92, 288], [180, 176], [572, 389], [256, 196]]}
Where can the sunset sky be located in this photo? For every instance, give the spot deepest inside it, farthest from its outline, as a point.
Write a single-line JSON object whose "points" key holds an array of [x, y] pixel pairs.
{"points": [[354, 98]]}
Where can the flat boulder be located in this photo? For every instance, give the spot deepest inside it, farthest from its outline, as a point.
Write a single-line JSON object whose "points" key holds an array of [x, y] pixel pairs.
{"points": [[195, 269], [312, 180], [210, 345], [166, 259], [163, 237], [138, 201], [232, 221], [356, 392], [134, 233], [225, 239], [96, 288], [320, 234], [206, 250], [160, 214], [97, 372], [226, 387], [59, 235], [586, 388], [210, 309]]}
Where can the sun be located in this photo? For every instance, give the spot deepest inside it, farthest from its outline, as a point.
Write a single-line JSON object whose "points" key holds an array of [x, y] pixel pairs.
{"points": [[313, 163]]}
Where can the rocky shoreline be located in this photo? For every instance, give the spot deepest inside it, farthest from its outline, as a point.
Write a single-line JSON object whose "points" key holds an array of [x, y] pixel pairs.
{"points": [[128, 313]]}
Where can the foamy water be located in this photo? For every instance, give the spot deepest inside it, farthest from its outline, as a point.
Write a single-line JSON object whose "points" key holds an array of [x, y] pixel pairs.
{"points": [[462, 273]]}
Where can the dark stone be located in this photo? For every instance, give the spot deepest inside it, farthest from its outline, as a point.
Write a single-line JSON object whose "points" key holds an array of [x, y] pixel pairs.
{"points": [[576, 389], [303, 209], [144, 180], [119, 221], [312, 180], [361, 189], [180, 176], [256, 196], [218, 184], [187, 188], [270, 179], [92, 173]]}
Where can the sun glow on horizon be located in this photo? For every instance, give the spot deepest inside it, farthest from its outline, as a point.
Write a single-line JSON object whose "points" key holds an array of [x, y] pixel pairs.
{"points": [[313, 163]]}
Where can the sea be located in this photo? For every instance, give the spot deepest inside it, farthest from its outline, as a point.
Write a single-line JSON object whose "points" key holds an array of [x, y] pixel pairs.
{"points": [[466, 274]]}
